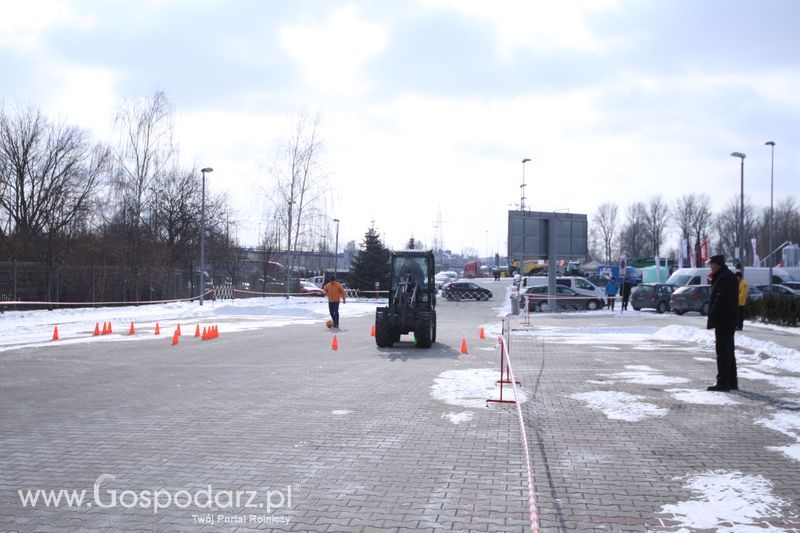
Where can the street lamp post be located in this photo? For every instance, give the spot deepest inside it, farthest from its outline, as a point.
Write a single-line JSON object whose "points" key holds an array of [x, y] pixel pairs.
{"points": [[203, 234], [522, 210], [741, 156], [771, 259], [336, 249]]}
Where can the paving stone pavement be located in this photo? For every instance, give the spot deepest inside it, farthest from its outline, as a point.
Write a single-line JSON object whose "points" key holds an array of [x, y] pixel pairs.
{"points": [[352, 440]]}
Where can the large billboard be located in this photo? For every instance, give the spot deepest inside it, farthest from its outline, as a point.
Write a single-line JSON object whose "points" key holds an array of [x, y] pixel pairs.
{"points": [[531, 234]]}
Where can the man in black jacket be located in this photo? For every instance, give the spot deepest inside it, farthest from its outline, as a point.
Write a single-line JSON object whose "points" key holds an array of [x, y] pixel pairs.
{"points": [[722, 315]]}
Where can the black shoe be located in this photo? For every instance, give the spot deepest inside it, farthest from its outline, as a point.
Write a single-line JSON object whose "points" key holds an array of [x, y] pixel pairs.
{"points": [[717, 388]]}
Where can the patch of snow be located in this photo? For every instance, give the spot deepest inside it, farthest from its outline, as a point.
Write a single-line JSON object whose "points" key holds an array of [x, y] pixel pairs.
{"points": [[701, 397], [340, 412], [644, 375], [728, 502], [789, 425], [470, 388], [620, 405], [457, 418]]}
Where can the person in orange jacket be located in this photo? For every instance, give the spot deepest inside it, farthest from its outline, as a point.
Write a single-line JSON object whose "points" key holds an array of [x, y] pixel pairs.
{"points": [[742, 300], [335, 292]]}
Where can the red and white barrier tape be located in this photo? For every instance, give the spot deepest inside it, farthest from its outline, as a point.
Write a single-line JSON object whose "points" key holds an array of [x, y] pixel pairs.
{"points": [[351, 293], [532, 509], [93, 304]]}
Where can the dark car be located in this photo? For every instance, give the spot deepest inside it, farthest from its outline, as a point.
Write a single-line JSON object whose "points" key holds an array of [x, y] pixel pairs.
{"points": [[652, 296], [779, 290], [566, 298], [465, 290], [691, 298], [794, 285]]}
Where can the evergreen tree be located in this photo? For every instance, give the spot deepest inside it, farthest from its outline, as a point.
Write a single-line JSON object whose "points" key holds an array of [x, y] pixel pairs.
{"points": [[371, 264], [412, 244]]}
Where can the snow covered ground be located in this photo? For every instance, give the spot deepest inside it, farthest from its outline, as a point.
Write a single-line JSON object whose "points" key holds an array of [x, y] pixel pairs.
{"points": [[20, 329]]}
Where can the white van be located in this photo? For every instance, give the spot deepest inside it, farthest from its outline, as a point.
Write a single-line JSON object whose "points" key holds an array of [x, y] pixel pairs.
{"points": [[576, 283], [753, 275]]}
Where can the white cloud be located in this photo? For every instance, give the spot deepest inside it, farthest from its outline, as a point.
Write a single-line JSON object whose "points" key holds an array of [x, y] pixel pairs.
{"points": [[541, 26], [24, 24], [332, 54]]}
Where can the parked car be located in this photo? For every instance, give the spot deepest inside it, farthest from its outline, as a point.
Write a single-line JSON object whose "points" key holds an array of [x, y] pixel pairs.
{"points": [[794, 285], [441, 279], [309, 289], [566, 298], [780, 290], [652, 296], [691, 298], [754, 293], [465, 290]]}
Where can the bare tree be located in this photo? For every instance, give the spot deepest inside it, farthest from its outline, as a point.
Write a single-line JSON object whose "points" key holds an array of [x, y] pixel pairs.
{"points": [[144, 156], [692, 214], [49, 173], [726, 226], [633, 241], [299, 182], [786, 222], [604, 227], [656, 218]]}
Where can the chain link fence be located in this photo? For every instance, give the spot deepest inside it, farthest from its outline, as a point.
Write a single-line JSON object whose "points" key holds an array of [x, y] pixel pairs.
{"points": [[81, 284]]}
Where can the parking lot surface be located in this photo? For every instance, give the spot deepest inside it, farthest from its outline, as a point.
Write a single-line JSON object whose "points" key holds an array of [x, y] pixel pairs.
{"points": [[279, 431]]}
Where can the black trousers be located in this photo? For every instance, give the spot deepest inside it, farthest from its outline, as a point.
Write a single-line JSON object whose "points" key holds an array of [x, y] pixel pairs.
{"points": [[333, 308], [726, 358], [740, 324]]}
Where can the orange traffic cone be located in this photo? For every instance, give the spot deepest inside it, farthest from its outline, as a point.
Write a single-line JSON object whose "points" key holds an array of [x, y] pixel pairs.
{"points": [[205, 334], [197, 331], [109, 327], [55, 333], [216, 331], [372, 333], [464, 345], [482, 335], [335, 344], [105, 328], [132, 331], [179, 330], [175, 338], [97, 328], [158, 330]]}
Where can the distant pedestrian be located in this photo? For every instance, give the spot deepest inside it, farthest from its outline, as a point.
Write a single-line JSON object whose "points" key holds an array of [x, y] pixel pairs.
{"points": [[742, 300], [722, 318], [611, 292], [335, 292], [626, 293]]}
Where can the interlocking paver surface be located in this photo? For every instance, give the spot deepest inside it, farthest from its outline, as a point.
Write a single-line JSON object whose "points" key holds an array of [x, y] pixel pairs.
{"points": [[355, 438]]}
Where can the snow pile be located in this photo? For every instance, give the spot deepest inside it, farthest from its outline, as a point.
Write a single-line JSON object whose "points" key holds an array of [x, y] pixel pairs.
{"points": [[620, 405], [728, 501]]}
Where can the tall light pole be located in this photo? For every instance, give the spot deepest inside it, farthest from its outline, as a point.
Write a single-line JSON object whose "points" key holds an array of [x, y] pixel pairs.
{"points": [[741, 156], [336, 249], [522, 210], [203, 234], [771, 259]]}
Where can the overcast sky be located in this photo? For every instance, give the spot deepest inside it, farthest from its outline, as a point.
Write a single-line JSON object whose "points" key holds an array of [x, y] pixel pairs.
{"points": [[431, 105]]}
